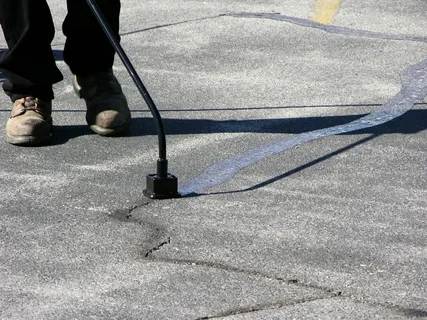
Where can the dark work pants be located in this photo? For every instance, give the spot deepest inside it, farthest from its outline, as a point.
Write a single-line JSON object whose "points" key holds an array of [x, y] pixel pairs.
{"points": [[29, 65]]}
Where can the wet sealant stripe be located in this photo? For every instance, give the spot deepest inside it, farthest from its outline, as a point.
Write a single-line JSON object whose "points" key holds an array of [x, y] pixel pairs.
{"points": [[414, 90], [328, 28]]}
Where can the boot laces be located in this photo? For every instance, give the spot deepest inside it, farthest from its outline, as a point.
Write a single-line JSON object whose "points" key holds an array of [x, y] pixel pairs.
{"points": [[30, 103]]}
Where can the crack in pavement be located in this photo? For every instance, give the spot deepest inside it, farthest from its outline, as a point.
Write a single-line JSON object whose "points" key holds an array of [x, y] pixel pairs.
{"points": [[407, 312], [171, 24], [125, 214], [249, 309], [264, 307], [154, 242], [223, 267], [158, 247]]}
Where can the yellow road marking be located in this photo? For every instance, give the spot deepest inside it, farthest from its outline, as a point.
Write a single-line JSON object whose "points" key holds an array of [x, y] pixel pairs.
{"points": [[325, 11]]}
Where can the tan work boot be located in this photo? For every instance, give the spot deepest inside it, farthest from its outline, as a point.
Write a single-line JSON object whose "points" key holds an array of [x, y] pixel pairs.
{"points": [[30, 122], [107, 108]]}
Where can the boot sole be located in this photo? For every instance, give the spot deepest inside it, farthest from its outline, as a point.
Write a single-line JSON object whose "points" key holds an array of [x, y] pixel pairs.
{"points": [[108, 132], [31, 140], [27, 140]]}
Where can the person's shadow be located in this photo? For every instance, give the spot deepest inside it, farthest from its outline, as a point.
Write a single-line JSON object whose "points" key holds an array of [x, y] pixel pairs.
{"points": [[411, 122]]}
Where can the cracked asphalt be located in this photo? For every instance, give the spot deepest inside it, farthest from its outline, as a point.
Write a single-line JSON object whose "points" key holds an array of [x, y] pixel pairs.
{"points": [[300, 150]]}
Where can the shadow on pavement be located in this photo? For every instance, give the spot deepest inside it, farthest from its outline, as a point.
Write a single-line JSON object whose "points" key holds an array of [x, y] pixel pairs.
{"points": [[412, 122], [296, 170], [61, 134]]}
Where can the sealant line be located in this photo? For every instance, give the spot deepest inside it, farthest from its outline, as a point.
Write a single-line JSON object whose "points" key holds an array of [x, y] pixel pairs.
{"points": [[413, 91], [325, 11], [329, 28]]}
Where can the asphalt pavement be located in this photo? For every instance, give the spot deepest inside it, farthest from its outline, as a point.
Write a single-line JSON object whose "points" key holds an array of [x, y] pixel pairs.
{"points": [[297, 131]]}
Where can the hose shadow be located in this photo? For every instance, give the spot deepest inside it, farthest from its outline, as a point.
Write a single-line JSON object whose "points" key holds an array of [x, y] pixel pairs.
{"points": [[293, 171]]}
